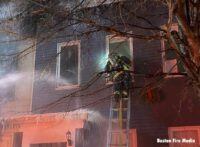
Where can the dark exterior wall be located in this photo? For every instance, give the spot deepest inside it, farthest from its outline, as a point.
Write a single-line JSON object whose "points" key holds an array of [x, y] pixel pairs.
{"points": [[179, 106], [45, 87], [45, 91]]}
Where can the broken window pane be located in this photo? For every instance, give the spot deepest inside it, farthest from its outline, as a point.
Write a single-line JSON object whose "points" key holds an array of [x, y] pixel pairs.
{"points": [[122, 48]]}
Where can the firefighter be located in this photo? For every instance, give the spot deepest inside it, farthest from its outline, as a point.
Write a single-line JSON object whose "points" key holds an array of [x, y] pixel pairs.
{"points": [[117, 69]]}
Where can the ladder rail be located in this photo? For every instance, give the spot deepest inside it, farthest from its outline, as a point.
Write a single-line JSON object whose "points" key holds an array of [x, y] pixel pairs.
{"points": [[127, 123], [110, 124]]}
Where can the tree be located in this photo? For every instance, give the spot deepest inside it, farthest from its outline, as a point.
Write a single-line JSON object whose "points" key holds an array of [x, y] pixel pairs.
{"points": [[58, 15], [187, 15]]}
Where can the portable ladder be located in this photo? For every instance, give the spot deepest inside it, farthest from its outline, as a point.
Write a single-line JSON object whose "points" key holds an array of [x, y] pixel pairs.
{"points": [[119, 123]]}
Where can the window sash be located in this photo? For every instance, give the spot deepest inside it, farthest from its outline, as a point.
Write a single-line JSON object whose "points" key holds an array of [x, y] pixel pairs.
{"points": [[62, 49], [69, 64], [116, 44], [112, 41]]}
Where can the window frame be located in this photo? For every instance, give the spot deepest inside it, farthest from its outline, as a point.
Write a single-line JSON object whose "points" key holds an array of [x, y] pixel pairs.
{"points": [[59, 46], [164, 61], [119, 39], [182, 128]]}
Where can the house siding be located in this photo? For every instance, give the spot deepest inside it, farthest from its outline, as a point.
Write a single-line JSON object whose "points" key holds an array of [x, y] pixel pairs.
{"points": [[150, 120]]}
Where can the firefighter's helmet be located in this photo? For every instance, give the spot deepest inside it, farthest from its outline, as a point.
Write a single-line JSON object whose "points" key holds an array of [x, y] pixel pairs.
{"points": [[113, 57]]}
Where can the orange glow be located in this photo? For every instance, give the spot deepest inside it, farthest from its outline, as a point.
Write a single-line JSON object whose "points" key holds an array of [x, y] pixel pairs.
{"points": [[45, 128]]}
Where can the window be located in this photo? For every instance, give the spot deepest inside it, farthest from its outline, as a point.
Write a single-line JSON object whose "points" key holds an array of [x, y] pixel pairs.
{"points": [[185, 136], [121, 45], [62, 144], [171, 63], [68, 64]]}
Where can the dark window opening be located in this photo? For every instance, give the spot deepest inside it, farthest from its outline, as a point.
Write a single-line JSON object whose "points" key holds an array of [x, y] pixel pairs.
{"points": [[69, 64], [17, 139], [170, 54]]}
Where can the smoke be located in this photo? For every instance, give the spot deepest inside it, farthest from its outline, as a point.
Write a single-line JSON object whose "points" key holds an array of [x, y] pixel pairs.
{"points": [[47, 77], [102, 60], [7, 11], [7, 86], [9, 80], [93, 116], [96, 125]]}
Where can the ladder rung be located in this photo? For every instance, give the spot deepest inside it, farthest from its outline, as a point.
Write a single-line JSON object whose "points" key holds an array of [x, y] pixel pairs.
{"points": [[117, 120], [125, 98], [117, 109], [116, 131], [119, 124], [117, 144]]}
